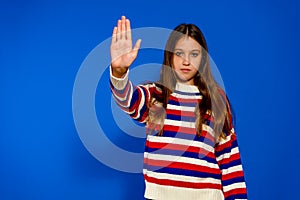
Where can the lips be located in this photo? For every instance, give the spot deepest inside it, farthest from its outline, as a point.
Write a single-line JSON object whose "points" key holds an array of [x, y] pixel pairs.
{"points": [[185, 70]]}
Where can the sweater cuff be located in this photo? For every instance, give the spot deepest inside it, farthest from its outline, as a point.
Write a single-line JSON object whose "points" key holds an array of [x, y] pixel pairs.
{"points": [[119, 83]]}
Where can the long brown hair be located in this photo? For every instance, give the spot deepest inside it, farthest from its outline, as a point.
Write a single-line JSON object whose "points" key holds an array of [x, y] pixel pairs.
{"points": [[214, 104]]}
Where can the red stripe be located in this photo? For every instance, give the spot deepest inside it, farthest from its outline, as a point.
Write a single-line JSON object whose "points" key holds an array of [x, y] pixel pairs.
{"points": [[181, 113], [180, 129], [209, 117], [169, 182], [136, 104], [207, 135], [153, 89], [180, 165], [123, 95], [183, 100], [179, 147], [146, 95], [233, 175], [186, 130], [235, 191], [153, 126], [221, 147], [232, 157], [144, 115], [227, 144]]}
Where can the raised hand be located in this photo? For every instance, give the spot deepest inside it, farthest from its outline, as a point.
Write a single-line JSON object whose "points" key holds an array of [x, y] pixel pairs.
{"points": [[121, 51]]}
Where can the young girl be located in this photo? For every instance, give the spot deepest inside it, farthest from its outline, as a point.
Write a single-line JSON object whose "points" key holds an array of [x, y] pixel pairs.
{"points": [[191, 148]]}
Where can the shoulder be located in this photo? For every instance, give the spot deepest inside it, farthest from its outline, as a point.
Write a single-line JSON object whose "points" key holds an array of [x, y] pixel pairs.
{"points": [[222, 93], [152, 87]]}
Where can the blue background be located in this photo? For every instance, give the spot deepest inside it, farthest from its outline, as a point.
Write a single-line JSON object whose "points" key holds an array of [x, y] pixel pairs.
{"points": [[43, 43]]}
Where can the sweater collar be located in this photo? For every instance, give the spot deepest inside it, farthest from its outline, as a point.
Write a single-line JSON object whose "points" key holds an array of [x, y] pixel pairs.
{"points": [[186, 88]]}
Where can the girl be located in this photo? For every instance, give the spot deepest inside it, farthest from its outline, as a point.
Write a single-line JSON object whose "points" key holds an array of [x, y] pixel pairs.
{"points": [[191, 150]]}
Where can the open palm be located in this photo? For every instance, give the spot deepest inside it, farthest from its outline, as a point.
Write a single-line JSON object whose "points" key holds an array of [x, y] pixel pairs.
{"points": [[121, 51]]}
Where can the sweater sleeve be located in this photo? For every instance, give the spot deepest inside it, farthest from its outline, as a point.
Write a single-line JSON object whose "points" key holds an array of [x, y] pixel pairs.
{"points": [[133, 100], [229, 160]]}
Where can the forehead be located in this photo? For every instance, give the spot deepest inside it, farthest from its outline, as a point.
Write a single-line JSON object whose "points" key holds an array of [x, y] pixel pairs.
{"points": [[187, 43]]}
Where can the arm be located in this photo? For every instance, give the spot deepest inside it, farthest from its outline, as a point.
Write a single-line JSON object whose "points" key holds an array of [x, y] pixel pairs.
{"points": [[229, 160], [228, 157], [132, 99], [121, 51]]}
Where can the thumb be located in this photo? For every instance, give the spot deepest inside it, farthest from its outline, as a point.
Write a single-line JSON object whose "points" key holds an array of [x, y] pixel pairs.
{"points": [[137, 45], [136, 48]]}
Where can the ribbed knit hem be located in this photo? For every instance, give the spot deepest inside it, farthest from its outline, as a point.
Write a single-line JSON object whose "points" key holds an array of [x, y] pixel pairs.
{"points": [[119, 83], [161, 192]]}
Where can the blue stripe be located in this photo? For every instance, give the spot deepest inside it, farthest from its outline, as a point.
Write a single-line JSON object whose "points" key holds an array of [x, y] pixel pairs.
{"points": [[182, 172], [140, 116], [207, 141], [233, 180], [135, 97], [182, 135], [237, 196], [196, 155], [178, 103], [209, 123], [231, 164], [181, 118], [227, 149], [187, 93], [119, 91]]}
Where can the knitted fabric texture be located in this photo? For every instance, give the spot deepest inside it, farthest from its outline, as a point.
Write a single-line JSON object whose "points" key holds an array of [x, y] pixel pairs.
{"points": [[179, 164]]}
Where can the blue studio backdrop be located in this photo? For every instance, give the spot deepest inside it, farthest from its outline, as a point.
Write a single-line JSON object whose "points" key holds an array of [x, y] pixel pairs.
{"points": [[44, 45]]}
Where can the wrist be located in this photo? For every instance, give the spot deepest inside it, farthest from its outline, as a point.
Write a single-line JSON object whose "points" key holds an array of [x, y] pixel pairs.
{"points": [[118, 72]]}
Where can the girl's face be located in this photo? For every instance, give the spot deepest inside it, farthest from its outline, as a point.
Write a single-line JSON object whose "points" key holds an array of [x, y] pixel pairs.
{"points": [[186, 59]]}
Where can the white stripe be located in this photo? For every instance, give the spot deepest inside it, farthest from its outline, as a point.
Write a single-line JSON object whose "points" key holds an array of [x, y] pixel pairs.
{"points": [[172, 140], [208, 129], [181, 159], [175, 177], [138, 110], [126, 98], [182, 96], [162, 192], [119, 83], [186, 88], [222, 141], [127, 111], [234, 186], [182, 108], [179, 123], [227, 155], [186, 124], [148, 86], [237, 168]]}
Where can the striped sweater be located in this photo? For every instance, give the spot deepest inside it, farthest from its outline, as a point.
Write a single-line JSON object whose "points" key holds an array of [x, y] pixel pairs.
{"points": [[179, 164]]}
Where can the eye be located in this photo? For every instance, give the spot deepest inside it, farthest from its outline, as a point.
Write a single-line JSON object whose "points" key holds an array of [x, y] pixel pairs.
{"points": [[194, 54], [179, 53]]}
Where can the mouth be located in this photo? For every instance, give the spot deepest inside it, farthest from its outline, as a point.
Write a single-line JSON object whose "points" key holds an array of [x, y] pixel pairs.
{"points": [[185, 70]]}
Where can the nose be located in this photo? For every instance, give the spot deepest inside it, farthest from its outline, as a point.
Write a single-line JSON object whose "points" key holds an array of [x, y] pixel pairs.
{"points": [[186, 60]]}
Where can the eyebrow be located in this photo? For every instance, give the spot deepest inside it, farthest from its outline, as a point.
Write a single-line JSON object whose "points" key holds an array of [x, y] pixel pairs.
{"points": [[191, 50]]}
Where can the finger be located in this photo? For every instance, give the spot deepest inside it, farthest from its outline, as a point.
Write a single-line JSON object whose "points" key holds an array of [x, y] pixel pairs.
{"points": [[128, 30], [114, 35], [136, 48], [123, 29], [137, 45], [119, 30]]}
